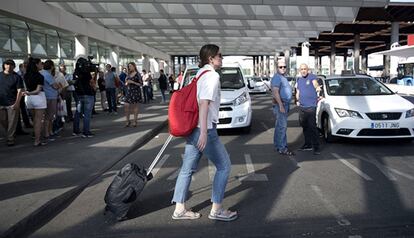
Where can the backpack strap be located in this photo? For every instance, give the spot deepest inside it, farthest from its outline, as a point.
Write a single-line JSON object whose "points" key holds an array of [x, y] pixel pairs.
{"points": [[202, 73]]}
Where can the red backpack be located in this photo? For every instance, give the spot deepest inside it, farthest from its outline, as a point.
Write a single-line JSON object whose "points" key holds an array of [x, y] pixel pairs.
{"points": [[183, 109]]}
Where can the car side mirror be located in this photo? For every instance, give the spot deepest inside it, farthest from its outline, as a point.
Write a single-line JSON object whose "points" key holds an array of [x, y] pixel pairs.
{"points": [[250, 84]]}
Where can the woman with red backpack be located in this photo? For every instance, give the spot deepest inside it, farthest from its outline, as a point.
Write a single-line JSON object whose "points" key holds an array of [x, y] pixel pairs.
{"points": [[204, 140]]}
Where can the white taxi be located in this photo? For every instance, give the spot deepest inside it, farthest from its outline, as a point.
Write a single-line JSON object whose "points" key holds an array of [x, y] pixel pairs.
{"points": [[235, 104], [359, 106]]}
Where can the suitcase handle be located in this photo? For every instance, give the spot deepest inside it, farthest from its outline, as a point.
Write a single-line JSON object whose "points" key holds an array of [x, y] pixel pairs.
{"points": [[159, 154]]}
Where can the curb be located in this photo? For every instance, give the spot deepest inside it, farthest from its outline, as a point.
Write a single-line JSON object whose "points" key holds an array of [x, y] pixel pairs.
{"points": [[53, 207]]}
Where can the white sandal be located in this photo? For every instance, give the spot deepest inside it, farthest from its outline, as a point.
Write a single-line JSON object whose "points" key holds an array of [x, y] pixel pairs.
{"points": [[223, 215], [186, 215]]}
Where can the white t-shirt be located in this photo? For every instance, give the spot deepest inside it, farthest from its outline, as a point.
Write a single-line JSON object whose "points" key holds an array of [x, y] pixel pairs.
{"points": [[145, 79], [208, 87], [60, 79]]}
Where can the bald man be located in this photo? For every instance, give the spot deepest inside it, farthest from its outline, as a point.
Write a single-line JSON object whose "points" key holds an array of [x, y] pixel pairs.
{"points": [[307, 99]]}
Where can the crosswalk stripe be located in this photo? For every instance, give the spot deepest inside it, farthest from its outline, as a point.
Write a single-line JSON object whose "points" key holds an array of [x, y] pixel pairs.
{"points": [[266, 128], [251, 175], [353, 168]]}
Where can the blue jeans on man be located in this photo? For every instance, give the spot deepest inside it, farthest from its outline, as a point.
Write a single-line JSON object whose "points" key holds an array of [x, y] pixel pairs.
{"points": [[85, 106], [216, 153], [280, 138], [111, 98]]}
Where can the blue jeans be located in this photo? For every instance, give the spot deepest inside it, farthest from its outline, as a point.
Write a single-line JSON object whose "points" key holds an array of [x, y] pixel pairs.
{"points": [[216, 153], [147, 94], [279, 138], [111, 98], [85, 105], [163, 95]]}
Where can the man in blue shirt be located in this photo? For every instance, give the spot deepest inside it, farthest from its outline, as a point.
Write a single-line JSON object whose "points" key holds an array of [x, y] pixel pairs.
{"points": [[282, 94], [307, 100]]}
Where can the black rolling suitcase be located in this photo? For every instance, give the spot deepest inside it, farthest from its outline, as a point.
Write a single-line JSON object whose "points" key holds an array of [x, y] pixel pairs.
{"points": [[128, 184]]}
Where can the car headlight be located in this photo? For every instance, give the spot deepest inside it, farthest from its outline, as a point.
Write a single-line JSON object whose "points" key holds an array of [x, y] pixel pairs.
{"points": [[240, 99], [347, 113], [409, 113]]}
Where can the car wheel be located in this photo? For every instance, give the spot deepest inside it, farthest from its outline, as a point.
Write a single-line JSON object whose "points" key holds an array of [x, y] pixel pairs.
{"points": [[327, 133], [409, 83]]}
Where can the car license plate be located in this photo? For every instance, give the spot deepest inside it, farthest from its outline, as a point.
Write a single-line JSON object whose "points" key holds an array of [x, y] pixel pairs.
{"points": [[222, 115], [385, 125]]}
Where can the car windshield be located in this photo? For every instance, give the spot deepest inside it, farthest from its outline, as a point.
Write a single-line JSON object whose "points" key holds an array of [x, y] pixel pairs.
{"points": [[257, 79], [230, 78], [355, 86]]}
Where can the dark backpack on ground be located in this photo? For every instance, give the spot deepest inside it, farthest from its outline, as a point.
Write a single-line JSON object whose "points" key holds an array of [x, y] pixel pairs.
{"points": [[124, 190]]}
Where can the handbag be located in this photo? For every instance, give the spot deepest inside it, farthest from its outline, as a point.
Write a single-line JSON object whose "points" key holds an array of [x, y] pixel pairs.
{"points": [[61, 108]]}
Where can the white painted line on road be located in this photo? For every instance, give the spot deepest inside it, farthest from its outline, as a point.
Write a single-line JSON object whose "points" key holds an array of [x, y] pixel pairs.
{"points": [[355, 169], [402, 174], [160, 164], [174, 175], [387, 173], [340, 219], [266, 128], [249, 163], [251, 175], [387, 170]]}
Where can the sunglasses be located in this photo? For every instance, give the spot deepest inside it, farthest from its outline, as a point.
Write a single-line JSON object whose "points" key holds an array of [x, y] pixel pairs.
{"points": [[282, 67]]}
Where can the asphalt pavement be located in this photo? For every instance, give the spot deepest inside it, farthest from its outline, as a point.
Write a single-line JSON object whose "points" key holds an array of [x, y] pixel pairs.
{"points": [[39, 182], [353, 189]]}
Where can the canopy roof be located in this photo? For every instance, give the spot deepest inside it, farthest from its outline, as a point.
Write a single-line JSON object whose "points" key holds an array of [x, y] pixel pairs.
{"points": [[374, 27], [240, 27]]}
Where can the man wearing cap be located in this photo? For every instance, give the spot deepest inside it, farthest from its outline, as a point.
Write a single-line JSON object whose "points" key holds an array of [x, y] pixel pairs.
{"points": [[11, 87]]}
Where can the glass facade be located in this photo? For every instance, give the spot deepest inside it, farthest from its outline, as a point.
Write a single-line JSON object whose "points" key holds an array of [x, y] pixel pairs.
{"points": [[15, 35]]}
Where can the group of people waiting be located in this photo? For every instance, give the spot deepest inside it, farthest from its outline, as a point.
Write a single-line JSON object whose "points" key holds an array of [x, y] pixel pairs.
{"points": [[47, 94]]}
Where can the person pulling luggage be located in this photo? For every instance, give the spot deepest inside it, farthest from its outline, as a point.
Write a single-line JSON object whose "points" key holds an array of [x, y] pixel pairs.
{"points": [[204, 140]]}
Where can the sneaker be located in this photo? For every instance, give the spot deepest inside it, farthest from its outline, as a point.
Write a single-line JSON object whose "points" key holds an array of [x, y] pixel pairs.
{"points": [[305, 148], [90, 135], [317, 151], [76, 134], [223, 215]]}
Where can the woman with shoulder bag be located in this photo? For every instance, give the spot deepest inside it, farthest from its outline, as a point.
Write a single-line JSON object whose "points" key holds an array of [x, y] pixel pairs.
{"points": [[35, 96]]}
